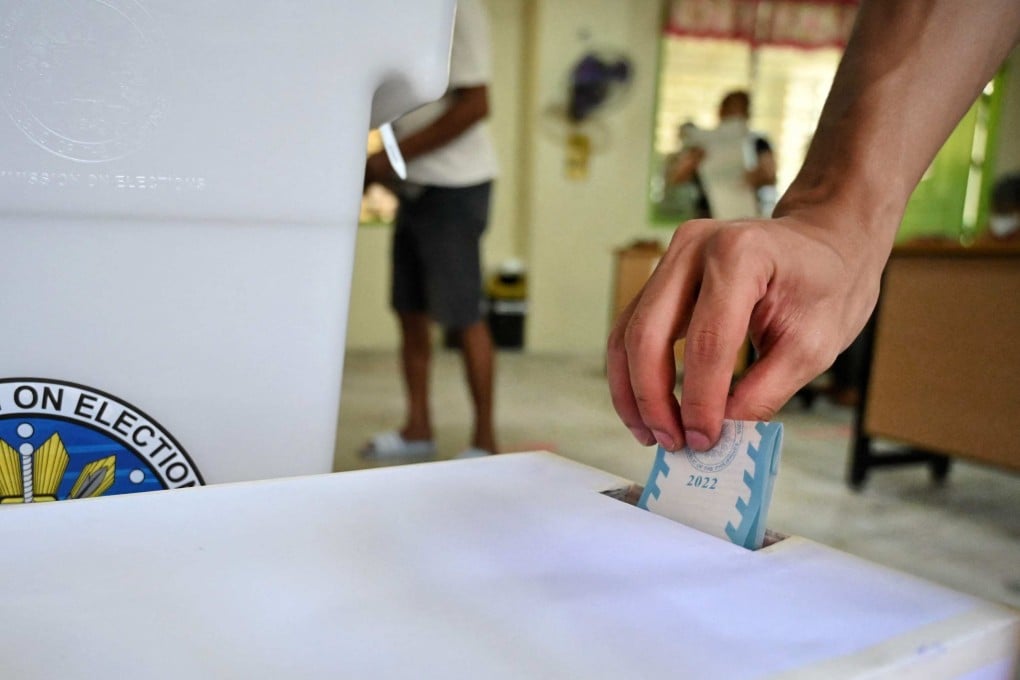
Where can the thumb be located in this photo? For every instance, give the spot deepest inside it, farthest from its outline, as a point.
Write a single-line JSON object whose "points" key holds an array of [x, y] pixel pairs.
{"points": [[770, 382]]}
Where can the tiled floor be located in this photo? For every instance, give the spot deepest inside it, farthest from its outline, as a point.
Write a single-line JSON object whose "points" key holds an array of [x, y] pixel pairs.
{"points": [[965, 534]]}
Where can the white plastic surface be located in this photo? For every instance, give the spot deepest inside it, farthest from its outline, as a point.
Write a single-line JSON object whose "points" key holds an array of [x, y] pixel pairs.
{"points": [[179, 190], [506, 567]]}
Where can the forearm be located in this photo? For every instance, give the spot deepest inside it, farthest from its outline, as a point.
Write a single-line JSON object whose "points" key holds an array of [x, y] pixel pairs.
{"points": [[685, 166], [469, 106], [682, 171], [910, 72], [764, 173]]}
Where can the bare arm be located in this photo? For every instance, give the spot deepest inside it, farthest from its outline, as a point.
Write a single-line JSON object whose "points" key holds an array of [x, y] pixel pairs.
{"points": [[469, 105], [910, 72], [803, 284], [685, 166], [764, 173]]}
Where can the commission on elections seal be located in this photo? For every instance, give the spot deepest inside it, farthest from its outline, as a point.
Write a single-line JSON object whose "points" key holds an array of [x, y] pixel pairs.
{"points": [[82, 78], [60, 441], [722, 454]]}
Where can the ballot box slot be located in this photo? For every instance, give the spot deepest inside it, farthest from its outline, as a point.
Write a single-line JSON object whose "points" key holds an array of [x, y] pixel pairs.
{"points": [[631, 494]]}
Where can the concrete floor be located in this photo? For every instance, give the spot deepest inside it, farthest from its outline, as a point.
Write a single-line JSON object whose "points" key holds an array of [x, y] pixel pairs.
{"points": [[965, 535]]}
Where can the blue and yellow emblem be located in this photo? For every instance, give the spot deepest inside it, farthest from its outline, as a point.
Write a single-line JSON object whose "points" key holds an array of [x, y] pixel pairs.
{"points": [[60, 440]]}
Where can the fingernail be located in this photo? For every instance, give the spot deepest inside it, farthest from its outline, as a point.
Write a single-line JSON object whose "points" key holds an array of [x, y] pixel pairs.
{"points": [[642, 435], [697, 440], [665, 441]]}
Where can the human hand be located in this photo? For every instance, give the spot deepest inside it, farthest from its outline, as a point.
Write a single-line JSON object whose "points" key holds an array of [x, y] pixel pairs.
{"points": [[684, 165], [378, 169], [803, 291], [754, 178]]}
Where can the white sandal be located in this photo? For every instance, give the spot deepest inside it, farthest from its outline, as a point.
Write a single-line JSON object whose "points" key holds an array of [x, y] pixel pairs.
{"points": [[392, 445], [472, 452]]}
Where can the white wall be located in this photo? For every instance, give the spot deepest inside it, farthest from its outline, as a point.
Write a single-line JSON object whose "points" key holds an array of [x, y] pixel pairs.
{"points": [[576, 224]]}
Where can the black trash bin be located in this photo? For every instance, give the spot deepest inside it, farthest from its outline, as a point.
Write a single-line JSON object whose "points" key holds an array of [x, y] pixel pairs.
{"points": [[507, 297]]}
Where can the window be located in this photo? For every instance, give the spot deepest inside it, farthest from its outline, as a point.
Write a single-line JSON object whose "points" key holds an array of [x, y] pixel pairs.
{"points": [[788, 87], [788, 92]]}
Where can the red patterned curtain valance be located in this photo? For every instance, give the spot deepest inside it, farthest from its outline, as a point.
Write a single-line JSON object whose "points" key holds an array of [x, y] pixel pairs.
{"points": [[795, 23]]}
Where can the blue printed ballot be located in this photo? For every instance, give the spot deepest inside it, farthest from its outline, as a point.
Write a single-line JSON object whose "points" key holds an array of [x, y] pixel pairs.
{"points": [[725, 491]]}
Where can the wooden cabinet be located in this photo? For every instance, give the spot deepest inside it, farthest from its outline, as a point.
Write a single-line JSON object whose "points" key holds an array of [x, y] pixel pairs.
{"points": [[945, 368]]}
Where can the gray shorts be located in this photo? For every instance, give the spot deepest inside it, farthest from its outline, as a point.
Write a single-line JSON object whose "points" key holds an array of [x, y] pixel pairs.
{"points": [[436, 260]]}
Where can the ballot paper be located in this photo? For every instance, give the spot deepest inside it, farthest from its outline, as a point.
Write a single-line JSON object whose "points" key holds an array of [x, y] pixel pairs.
{"points": [[729, 154], [725, 491]]}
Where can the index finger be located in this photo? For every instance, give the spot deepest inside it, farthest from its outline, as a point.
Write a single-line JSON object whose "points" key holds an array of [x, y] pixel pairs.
{"points": [[656, 322], [619, 376]]}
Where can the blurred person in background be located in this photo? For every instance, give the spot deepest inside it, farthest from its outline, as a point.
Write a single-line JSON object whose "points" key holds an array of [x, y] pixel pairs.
{"points": [[734, 166], [444, 210]]}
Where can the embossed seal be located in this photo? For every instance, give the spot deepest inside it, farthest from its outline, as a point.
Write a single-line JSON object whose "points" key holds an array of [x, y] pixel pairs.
{"points": [[722, 454], [82, 78]]}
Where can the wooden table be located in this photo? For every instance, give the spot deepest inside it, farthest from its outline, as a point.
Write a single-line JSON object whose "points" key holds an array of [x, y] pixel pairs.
{"points": [[944, 375]]}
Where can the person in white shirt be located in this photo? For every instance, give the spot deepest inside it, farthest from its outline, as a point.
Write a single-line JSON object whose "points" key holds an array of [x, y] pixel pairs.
{"points": [[444, 209], [734, 165]]}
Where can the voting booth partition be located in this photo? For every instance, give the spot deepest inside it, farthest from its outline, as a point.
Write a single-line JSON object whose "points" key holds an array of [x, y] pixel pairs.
{"points": [[179, 187]]}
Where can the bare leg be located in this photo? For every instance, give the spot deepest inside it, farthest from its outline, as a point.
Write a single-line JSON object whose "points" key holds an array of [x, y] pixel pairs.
{"points": [[415, 356], [479, 363]]}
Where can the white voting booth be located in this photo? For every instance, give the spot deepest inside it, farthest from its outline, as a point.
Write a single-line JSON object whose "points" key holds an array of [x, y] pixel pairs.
{"points": [[179, 187]]}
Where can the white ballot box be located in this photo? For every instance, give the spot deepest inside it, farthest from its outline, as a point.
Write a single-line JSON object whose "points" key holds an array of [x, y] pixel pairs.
{"points": [[179, 192], [512, 566]]}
